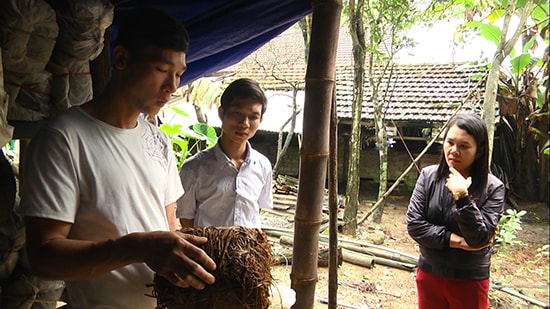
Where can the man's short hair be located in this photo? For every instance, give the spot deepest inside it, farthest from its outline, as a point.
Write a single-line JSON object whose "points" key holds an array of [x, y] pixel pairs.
{"points": [[243, 88], [144, 27]]}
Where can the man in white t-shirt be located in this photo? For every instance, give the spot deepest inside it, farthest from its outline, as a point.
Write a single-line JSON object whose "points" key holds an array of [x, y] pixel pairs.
{"points": [[228, 184], [100, 183]]}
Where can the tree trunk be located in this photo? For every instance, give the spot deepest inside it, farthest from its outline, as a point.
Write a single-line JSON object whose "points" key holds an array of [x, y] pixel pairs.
{"points": [[199, 113], [530, 166], [503, 50], [305, 26], [544, 183], [282, 148], [357, 32], [314, 152], [382, 137], [489, 100]]}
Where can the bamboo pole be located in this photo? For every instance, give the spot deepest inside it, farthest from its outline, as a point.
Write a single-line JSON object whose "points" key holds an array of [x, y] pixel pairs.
{"points": [[319, 84], [333, 207], [285, 197], [358, 259], [381, 255], [347, 255], [363, 259], [499, 287]]}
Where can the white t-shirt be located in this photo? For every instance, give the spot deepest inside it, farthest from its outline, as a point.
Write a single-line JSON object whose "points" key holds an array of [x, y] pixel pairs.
{"points": [[219, 194], [108, 182]]}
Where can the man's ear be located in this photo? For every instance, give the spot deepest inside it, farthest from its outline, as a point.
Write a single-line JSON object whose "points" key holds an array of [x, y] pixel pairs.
{"points": [[120, 57], [220, 113]]}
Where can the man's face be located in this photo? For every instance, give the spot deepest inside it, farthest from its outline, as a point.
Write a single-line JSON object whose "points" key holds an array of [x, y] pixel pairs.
{"points": [[241, 119], [151, 75]]}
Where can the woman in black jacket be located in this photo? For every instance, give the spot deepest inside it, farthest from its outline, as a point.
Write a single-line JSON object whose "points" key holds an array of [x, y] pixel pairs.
{"points": [[453, 214]]}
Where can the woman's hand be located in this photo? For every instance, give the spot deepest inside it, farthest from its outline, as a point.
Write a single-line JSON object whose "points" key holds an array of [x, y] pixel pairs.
{"points": [[456, 183], [459, 242]]}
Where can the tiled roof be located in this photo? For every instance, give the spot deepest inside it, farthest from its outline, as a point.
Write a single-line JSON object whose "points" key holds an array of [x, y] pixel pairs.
{"points": [[418, 93]]}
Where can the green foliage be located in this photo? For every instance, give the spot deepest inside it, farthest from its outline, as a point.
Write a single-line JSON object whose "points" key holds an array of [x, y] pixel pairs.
{"points": [[540, 15], [488, 31], [206, 132], [186, 141], [388, 19], [508, 227], [519, 63], [204, 92], [189, 140]]}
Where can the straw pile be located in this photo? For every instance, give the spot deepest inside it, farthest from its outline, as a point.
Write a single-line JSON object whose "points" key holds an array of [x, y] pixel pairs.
{"points": [[243, 258]]}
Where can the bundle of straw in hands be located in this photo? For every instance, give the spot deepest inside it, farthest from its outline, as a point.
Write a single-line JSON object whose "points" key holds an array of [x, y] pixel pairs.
{"points": [[243, 261]]}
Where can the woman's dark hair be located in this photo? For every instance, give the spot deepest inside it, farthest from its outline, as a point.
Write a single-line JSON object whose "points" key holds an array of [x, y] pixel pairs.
{"points": [[144, 27], [474, 126], [243, 88]]}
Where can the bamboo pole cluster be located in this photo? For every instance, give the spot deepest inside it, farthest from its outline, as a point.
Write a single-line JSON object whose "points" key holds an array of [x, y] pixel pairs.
{"points": [[359, 253]]}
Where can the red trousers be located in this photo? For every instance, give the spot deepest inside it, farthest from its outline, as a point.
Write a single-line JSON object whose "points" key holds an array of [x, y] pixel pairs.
{"points": [[437, 292]]}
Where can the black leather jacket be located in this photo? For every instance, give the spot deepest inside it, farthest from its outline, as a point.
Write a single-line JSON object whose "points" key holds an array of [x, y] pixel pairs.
{"points": [[433, 214]]}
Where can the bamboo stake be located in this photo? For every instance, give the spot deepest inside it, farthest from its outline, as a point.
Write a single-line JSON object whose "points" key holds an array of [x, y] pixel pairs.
{"points": [[333, 206]]}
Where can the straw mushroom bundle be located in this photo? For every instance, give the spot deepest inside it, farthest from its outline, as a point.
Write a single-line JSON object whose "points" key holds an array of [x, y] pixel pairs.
{"points": [[243, 258]]}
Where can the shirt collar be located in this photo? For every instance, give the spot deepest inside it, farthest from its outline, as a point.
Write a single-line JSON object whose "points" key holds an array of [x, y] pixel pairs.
{"points": [[222, 157]]}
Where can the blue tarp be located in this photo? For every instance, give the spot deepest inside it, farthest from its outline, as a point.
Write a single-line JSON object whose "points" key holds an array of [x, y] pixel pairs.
{"points": [[223, 32]]}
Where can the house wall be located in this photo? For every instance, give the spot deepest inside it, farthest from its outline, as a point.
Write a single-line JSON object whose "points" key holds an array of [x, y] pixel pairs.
{"points": [[398, 160], [291, 161]]}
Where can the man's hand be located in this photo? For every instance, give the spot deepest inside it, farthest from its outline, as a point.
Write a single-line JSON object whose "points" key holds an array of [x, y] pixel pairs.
{"points": [[176, 257], [173, 255]]}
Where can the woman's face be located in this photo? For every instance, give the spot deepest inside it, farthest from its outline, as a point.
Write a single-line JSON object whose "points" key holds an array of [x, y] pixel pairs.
{"points": [[460, 149]]}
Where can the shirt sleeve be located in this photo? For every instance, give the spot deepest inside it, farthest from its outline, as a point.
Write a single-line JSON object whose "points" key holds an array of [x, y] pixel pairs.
{"points": [[187, 204], [51, 184], [419, 228], [266, 196], [478, 220]]}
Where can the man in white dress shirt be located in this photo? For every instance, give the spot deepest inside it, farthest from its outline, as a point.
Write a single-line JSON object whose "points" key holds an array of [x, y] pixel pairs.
{"points": [[228, 184]]}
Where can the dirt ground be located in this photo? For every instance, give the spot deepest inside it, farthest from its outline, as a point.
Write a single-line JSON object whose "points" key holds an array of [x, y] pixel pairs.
{"points": [[522, 268]]}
